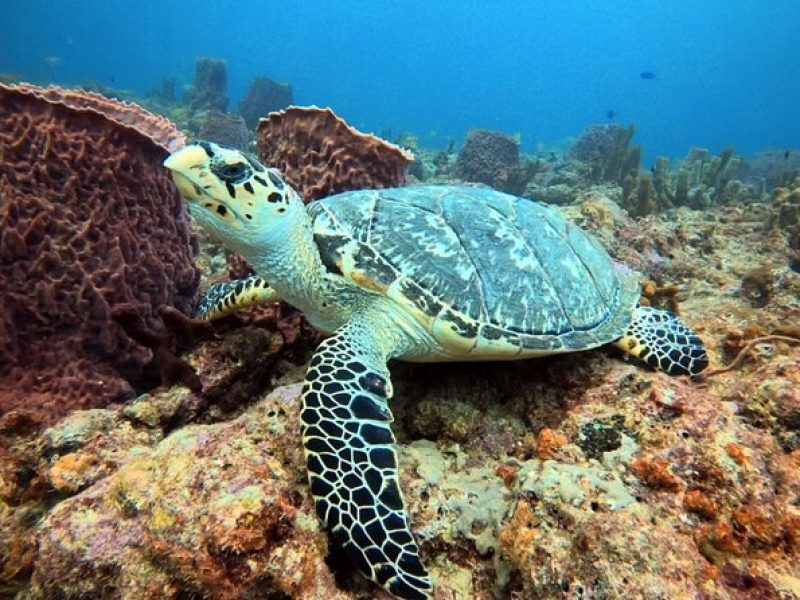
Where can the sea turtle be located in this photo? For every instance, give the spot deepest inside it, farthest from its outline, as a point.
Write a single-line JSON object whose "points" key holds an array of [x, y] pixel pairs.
{"points": [[419, 273]]}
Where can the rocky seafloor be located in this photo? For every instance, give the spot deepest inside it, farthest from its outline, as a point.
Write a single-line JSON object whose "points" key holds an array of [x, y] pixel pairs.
{"points": [[577, 476]]}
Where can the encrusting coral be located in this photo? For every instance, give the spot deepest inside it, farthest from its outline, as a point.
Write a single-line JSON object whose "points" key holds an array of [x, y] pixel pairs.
{"points": [[319, 154], [89, 221]]}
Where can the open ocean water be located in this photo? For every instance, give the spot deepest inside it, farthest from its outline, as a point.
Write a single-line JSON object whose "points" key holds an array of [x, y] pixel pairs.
{"points": [[712, 73]]}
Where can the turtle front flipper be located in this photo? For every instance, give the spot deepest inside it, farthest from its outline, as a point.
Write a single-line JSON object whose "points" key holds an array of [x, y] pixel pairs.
{"points": [[352, 464], [225, 297], [663, 341]]}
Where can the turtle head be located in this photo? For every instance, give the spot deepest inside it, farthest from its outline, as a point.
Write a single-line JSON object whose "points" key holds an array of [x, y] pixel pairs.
{"points": [[232, 195]]}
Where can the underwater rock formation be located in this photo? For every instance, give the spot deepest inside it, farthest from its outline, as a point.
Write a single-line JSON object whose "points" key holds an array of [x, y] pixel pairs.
{"points": [[211, 509], [222, 128], [699, 182], [319, 154], [777, 168], [608, 152], [493, 158], [485, 154], [210, 87], [89, 221], [263, 97]]}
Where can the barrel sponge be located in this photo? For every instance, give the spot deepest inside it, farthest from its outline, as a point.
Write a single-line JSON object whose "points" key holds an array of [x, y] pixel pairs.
{"points": [[320, 154], [89, 219]]}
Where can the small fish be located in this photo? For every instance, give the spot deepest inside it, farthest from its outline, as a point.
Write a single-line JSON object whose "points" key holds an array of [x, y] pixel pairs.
{"points": [[647, 75], [786, 155], [610, 114]]}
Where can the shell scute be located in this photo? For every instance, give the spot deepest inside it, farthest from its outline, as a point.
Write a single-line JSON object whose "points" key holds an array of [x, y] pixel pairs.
{"points": [[503, 272]]}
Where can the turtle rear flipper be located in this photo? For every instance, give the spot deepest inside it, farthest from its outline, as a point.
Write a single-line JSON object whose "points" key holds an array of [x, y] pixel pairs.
{"points": [[225, 297], [662, 340], [351, 460]]}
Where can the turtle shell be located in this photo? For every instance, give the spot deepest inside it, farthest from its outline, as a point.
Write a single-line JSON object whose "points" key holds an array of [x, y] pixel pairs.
{"points": [[487, 273]]}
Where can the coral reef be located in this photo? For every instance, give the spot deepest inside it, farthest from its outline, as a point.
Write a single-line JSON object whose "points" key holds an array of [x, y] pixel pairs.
{"points": [[607, 150], [320, 154], [210, 86], [572, 476], [786, 216], [493, 158], [485, 154], [776, 168], [264, 96], [89, 221], [222, 128], [699, 182]]}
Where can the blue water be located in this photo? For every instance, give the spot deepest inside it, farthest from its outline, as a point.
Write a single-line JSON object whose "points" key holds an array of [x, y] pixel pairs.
{"points": [[725, 71]]}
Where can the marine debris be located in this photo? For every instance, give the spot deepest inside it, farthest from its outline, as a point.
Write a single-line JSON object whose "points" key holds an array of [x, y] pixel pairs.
{"points": [[89, 221]]}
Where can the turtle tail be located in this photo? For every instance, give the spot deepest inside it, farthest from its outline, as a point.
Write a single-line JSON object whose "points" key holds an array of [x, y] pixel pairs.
{"points": [[662, 340]]}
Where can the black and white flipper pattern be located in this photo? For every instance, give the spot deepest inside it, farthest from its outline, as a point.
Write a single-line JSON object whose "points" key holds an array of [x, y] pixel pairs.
{"points": [[662, 340], [225, 297], [352, 464]]}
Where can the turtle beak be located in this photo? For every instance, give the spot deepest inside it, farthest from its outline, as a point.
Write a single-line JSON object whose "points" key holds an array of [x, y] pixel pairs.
{"points": [[183, 164]]}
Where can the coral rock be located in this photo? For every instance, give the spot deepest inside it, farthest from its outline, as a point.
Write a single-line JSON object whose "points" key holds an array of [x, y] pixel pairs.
{"points": [[320, 154], [222, 128], [210, 86], [210, 510], [492, 158], [264, 96], [89, 220]]}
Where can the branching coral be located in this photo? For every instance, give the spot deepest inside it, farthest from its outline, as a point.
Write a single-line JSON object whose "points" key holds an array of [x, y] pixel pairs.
{"points": [[699, 182], [608, 152]]}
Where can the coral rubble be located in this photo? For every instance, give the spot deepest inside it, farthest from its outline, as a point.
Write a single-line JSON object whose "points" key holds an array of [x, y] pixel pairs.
{"points": [[320, 154], [89, 221]]}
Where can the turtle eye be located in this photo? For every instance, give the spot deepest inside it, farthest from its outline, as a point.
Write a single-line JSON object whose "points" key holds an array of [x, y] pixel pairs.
{"points": [[234, 173]]}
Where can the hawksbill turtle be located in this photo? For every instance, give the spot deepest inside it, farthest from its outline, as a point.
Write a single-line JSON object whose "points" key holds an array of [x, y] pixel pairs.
{"points": [[419, 273]]}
